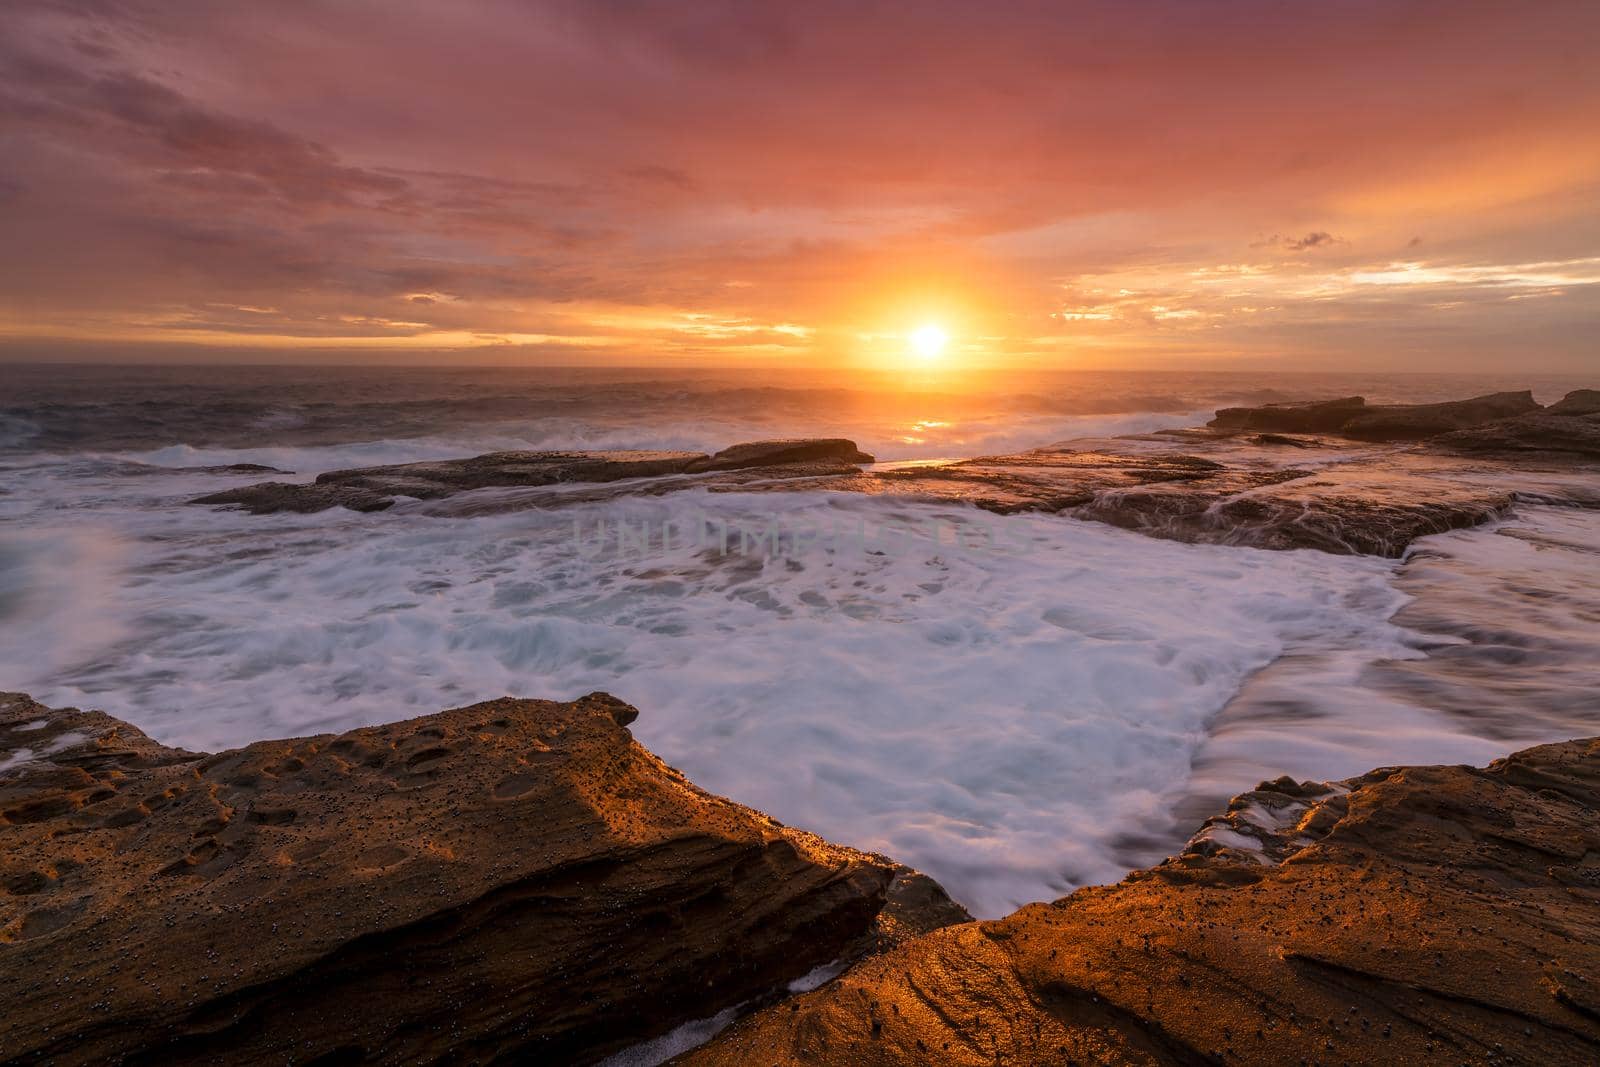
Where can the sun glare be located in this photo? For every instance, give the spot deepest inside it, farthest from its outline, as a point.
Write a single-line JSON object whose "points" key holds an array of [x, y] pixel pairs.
{"points": [[928, 341]]}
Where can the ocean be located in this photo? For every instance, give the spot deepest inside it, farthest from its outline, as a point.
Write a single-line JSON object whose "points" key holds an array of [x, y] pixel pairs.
{"points": [[1046, 710]]}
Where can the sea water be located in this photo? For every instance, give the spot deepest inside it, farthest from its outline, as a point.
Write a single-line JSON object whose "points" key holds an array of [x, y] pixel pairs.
{"points": [[1016, 705]]}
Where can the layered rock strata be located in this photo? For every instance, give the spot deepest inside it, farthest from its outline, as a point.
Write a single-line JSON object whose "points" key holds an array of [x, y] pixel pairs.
{"points": [[515, 880]]}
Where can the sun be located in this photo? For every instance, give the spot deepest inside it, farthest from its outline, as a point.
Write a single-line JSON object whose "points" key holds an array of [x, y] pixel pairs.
{"points": [[928, 341]]}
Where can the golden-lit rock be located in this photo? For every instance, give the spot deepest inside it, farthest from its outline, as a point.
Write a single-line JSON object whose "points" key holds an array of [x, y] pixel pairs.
{"points": [[517, 879], [1428, 915]]}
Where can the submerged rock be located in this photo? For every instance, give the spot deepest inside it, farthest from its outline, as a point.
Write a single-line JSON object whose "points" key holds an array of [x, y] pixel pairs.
{"points": [[513, 881], [1414, 915], [130, 467], [233, 468], [1281, 441]]}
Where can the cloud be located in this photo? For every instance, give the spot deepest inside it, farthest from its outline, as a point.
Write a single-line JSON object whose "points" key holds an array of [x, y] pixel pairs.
{"points": [[847, 166], [170, 131], [1315, 239], [1319, 239]]}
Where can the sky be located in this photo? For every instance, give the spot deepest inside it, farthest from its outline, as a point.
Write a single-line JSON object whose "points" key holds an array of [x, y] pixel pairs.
{"points": [[1293, 184]]}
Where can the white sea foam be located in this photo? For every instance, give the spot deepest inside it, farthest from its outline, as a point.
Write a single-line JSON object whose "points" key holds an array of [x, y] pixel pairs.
{"points": [[676, 1042], [1503, 653], [998, 719], [817, 977], [21, 757]]}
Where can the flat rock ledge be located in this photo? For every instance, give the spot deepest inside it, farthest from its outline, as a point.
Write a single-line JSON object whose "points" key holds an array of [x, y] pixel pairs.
{"points": [[1459, 464], [1347, 509], [515, 881], [377, 488], [1498, 422], [1427, 915], [1574, 435], [1354, 509]]}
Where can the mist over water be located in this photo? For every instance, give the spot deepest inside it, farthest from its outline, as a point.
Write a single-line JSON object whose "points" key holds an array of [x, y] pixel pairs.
{"points": [[1015, 722]]}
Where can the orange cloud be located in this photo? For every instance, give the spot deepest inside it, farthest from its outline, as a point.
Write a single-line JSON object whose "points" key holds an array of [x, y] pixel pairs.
{"points": [[726, 182]]}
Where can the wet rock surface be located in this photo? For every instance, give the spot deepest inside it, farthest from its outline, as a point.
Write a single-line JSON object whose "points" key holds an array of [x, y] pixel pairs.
{"points": [[129, 467], [517, 880], [1343, 509], [376, 488], [1376, 508], [1353, 417], [1045, 479], [1315, 416], [1578, 435], [1577, 402], [1282, 476], [1438, 915], [1414, 422], [751, 479], [775, 453]]}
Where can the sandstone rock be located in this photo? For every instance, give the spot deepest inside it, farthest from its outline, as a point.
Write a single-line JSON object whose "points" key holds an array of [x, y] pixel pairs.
{"points": [[232, 468], [1353, 417], [1374, 504], [440, 477], [266, 498], [1045, 479], [515, 881], [1316, 416], [128, 467], [1528, 433], [1430, 915], [759, 479], [376, 488], [1577, 402], [1279, 440], [1350, 508], [773, 453], [1413, 422]]}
